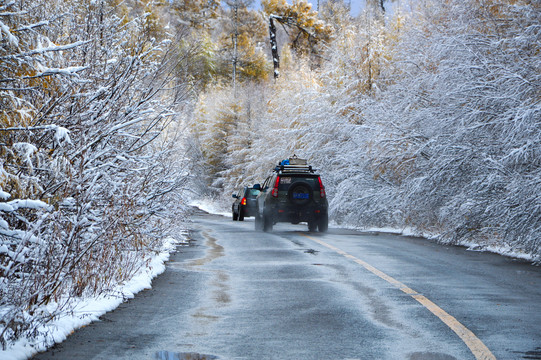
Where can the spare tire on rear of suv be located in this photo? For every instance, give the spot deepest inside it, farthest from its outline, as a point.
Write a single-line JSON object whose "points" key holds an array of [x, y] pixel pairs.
{"points": [[300, 194]]}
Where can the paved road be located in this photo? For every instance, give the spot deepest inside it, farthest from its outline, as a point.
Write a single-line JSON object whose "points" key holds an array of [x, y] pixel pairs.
{"points": [[290, 294]]}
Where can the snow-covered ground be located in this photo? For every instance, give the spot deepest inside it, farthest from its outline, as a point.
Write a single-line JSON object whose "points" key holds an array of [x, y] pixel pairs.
{"points": [[89, 310]]}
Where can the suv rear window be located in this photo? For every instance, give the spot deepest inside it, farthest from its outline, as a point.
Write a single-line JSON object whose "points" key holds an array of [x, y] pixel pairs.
{"points": [[252, 192], [287, 180]]}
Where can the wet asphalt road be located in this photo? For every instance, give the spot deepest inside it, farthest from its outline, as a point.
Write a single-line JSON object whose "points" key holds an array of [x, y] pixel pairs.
{"points": [[240, 294]]}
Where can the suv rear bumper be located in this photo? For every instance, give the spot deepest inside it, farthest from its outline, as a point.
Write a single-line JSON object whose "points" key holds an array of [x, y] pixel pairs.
{"points": [[295, 215], [248, 211]]}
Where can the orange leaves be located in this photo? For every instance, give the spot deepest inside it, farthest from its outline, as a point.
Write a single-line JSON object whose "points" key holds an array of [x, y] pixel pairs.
{"points": [[300, 16], [258, 68], [274, 7]]}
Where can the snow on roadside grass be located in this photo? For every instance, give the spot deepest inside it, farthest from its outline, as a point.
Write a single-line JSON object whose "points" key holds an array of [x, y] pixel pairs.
{"points": [[504, 250], [86, 311], [210, 206]]}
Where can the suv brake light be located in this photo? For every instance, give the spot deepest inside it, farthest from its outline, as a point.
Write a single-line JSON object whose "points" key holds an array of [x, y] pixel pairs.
{"points": [[274, 192], [321, 188], [243, 202]]}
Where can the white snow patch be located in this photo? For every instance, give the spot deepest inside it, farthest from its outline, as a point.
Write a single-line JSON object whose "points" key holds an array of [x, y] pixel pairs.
{"points": [[62, 135], [69, 71], [209, 206], [6, 207], [504, 250], [28, 204], [4, 195], [3, 224], [11, 39], [25, 150]]}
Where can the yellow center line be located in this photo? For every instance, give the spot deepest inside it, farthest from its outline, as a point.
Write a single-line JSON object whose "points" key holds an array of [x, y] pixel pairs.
{"points": [[476, 346]]}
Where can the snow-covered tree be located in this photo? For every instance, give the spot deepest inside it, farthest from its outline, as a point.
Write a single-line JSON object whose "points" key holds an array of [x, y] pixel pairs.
{"points": [[92, 163]]}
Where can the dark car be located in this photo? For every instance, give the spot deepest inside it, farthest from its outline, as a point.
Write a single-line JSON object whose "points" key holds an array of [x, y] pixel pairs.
{"points": [[293, 193], [245, 203]]}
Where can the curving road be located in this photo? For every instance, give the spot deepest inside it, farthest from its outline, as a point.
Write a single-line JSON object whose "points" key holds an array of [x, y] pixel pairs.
{"points": [[240, 294]]}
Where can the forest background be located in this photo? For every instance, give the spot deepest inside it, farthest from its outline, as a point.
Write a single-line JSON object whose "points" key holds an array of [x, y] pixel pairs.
{"points": [[115, 114]]}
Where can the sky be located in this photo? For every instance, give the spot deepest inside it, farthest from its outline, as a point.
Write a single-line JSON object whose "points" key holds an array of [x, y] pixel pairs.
{"points": [[356, 5]]}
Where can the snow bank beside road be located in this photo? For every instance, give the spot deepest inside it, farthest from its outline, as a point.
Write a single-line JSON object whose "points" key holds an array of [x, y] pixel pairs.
{"points": [[504, 250], [210, 206], [86, 311]]}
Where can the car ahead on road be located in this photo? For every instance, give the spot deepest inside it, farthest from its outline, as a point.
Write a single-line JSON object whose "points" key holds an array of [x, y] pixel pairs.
{"points": [[293, 193], [245, 203]]}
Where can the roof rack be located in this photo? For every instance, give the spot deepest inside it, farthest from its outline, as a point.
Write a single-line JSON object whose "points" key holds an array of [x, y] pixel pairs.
{"points": [[294, 164]]}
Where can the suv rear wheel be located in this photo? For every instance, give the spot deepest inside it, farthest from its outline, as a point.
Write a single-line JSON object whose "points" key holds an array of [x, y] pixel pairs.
{"points": [[323, 223], [241, 214], [267, 222], [258, 222]]}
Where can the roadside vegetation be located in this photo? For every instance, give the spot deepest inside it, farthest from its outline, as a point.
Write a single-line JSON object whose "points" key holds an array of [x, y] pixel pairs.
{"points": [[92, 165], [113, 114]]}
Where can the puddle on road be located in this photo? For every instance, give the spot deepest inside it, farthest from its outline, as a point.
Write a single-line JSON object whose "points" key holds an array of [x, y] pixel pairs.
{"points": [[215, 251], [168, 355], [218, 291]]}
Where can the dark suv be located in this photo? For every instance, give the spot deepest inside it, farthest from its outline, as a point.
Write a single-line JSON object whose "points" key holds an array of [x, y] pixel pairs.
{"points": [[294, 193], [245, 203]]}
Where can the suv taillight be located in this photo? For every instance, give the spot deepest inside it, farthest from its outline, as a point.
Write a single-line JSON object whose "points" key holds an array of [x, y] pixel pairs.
{"points": [[321, 188], [274, 192], [243, 202]]}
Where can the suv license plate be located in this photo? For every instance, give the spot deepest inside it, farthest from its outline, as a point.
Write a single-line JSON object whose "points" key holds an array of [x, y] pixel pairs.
{"points": [[300, 196]]}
